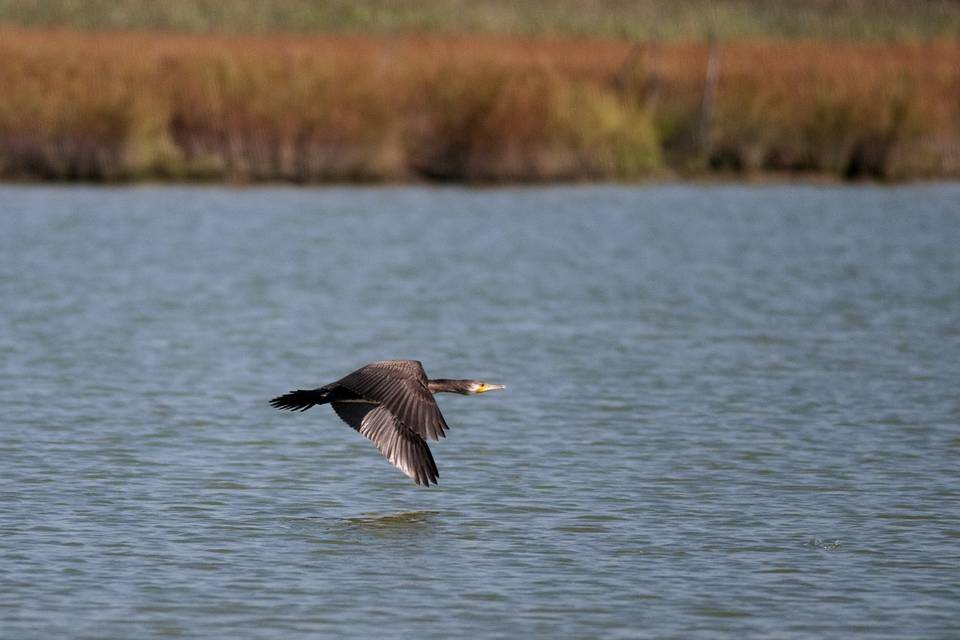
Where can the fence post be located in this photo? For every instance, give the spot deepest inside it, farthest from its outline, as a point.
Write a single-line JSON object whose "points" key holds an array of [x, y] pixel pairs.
{"points": [[709, 92]]}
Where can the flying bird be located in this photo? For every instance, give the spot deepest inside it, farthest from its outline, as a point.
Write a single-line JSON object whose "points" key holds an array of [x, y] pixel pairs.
{"points": [[391, 403]]}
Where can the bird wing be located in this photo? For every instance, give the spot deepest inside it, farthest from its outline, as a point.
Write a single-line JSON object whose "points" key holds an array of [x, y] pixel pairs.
{"points": [[401, 446], [401, 387]]}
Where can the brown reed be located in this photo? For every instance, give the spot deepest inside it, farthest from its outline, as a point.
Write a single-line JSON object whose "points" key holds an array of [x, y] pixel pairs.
{"points": [[124, 106]]}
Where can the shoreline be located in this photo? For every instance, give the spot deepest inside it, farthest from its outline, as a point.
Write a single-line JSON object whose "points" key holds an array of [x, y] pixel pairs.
{"points": [[770, 179]]}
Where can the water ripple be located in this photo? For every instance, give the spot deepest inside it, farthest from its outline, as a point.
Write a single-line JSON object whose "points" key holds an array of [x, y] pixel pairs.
{"points": [[731, 412]]}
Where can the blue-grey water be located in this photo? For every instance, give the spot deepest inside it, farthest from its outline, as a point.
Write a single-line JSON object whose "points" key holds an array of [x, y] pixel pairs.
{"points": [[731, 411]]}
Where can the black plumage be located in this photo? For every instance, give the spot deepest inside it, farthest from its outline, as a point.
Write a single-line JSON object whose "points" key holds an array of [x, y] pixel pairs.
{"points": [[391, 403]]}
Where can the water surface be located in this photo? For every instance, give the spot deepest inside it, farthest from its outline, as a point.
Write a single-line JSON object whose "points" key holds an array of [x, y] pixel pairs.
{"points": [[730, 411]]}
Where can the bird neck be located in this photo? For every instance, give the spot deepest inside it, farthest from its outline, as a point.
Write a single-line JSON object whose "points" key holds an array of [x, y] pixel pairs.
{"points": [[446, 385]]}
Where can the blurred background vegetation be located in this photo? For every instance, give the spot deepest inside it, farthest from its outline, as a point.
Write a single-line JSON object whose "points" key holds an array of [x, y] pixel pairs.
{"points": [[621, 19], [310, 91]]}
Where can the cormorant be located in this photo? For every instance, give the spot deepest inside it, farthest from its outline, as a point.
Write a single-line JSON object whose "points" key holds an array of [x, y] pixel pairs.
{"points": [[391, 403]]}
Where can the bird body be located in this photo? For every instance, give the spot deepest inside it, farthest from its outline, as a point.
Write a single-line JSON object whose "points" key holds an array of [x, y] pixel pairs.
{"points": [[391, 403]]}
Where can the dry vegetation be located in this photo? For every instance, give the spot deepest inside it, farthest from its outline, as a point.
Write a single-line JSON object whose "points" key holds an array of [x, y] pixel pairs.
{"points": [[123, 106]]}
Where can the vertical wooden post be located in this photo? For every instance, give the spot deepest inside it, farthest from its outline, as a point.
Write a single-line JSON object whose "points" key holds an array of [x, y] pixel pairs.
{"points": [[709, 92]]}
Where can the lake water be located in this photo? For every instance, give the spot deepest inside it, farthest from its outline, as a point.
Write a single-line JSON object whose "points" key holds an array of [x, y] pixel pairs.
{"points": [[731, 411]]}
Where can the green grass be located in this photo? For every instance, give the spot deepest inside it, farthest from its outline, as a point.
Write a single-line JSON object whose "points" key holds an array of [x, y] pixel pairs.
{"points": [[638, 19]]}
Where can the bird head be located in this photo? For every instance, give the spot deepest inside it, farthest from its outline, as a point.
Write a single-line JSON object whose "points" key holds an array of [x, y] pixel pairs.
{"points": [[483, 387]]}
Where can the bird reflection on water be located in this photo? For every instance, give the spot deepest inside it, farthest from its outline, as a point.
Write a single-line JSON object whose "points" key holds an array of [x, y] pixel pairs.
{"points": [[374, 522], [398, 519]]}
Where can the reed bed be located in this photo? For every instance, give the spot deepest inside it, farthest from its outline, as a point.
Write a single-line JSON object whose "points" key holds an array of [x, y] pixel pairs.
{"points": [[123, 106]]}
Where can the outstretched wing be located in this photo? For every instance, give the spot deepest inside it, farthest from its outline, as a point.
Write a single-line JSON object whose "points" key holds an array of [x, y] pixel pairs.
{"points": [[401, 446], [401, 387]]}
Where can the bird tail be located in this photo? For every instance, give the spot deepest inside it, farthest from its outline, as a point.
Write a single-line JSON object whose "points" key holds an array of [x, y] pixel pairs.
{"points": [[302, 399]]}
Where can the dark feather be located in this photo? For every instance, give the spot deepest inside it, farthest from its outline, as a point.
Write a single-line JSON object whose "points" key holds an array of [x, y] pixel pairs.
{"points": [[401, 446], [401, 386], [301, 400]]}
